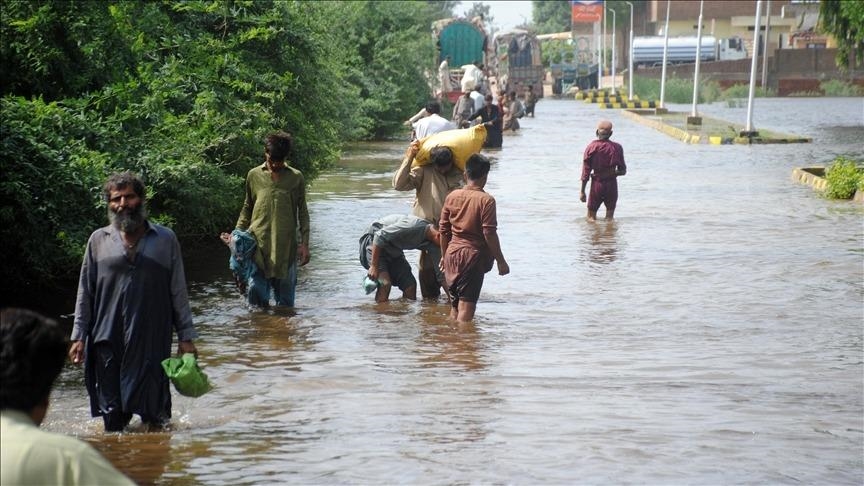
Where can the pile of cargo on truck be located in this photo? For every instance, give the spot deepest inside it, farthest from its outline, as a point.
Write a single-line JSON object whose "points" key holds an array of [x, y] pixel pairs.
{"points": [[517, 62], [648, 51], [462, 43]]}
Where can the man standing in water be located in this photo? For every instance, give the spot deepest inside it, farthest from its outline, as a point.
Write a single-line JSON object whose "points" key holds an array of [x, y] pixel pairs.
{"points": [[131, 296], [491, 116], [432, 182], [603, 162], [274, 211], [469, 239]]}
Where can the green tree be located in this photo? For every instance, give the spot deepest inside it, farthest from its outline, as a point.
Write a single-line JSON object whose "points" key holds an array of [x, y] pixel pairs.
{"points": [[551, 16], [395, 54], [482, 10], [844, 19]]}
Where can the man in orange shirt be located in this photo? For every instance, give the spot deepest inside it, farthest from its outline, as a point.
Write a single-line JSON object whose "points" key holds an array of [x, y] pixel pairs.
{"points": [[469, 239]]}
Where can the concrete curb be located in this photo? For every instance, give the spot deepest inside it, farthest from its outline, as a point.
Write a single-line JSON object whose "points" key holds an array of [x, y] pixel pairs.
{"points": [[673, 132], [687, 137]]}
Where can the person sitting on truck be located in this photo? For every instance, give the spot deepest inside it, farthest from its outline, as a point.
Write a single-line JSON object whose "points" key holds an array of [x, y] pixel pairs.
{"points": [[444, 77]]}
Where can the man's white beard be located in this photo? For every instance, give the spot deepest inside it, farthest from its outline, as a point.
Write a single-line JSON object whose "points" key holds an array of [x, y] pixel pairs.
{"points": [[129, 220]]}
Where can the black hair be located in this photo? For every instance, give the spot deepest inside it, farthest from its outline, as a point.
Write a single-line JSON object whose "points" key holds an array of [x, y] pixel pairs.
{"points": [[279, 145], [441, 156], [32, 352], [433, 107], [477, 167], [121, 180]]}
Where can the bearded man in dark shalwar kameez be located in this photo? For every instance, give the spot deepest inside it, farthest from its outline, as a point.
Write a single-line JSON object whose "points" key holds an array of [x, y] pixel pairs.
{"points": [[131, 296]]}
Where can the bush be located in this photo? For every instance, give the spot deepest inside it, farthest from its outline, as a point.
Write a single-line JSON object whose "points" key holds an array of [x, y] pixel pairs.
{"points": [[843, 178], [836, 87], [677, 90], [739, 91]]}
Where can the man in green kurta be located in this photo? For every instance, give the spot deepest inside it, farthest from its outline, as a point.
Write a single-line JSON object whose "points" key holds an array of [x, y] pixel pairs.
{"points": [[275, 212]]}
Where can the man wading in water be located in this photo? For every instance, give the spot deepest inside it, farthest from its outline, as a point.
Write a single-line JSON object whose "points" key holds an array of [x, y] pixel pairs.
{"points": [[603, 162]]}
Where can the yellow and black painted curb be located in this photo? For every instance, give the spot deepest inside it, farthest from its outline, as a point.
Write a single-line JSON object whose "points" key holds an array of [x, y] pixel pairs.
{"points": [[673, 132], [629, 104], [813, 177], [694, 138]]}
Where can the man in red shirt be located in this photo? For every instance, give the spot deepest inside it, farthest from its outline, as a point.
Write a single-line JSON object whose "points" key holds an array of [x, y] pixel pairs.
{"points": [[469, 239], [603, 162]]}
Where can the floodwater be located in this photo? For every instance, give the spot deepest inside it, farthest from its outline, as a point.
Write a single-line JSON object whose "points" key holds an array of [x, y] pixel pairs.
{"points": [[711, 334]]}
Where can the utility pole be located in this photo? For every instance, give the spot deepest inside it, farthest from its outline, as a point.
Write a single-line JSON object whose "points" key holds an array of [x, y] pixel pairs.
{"points": [[765, 51], [614, 30], [694, 118], [602, 48], [630, 57], [748, 129], [665, 54]]}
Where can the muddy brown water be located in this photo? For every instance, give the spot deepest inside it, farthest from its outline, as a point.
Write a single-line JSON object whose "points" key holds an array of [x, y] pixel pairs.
{"points": [[711, 334]]}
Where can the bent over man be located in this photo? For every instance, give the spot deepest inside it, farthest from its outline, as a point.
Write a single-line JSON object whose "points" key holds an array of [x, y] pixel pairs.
{"points": [[383, 253], [603, 162]]}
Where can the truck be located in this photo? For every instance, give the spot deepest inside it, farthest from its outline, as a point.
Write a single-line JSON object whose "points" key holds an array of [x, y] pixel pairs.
{"points": [[572, 60], [517, 62], [648, 50], [462, 42]]}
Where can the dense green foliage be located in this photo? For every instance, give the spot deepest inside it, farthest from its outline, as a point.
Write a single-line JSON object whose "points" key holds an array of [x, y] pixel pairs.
{"points": [[183, 92], [844, 19], [843, 178], [551, 16]]}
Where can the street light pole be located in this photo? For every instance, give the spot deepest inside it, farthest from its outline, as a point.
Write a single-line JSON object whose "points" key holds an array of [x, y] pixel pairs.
{"points": [[630, 58], [765, 51], [614, 30], [698, 62], [602, 47], [665, 54], [748, 129]]}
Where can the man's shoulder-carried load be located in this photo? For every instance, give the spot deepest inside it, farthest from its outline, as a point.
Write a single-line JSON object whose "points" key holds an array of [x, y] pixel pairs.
{"points": [[462, 142]]}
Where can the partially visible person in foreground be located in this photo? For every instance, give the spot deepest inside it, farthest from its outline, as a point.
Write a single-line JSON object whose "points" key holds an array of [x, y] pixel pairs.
{"points": [[32, 352], [275, 211], [603, 162], [383, 253], [469, 239], [131, 297]]}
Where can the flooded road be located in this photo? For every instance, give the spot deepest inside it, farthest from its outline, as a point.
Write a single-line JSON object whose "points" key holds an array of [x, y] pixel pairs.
{"points": [[711, 334]]}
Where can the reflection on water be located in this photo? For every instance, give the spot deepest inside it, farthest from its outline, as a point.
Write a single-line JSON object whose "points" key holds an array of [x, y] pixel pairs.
{"points": [[603, 247], [710, 334]]}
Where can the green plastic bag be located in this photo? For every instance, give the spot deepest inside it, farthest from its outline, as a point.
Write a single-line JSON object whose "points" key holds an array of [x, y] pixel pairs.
{"points": [[187, 377]]}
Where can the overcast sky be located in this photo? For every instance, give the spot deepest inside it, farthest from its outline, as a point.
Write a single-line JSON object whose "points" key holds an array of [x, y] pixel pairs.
{"points": [[506, 14]]}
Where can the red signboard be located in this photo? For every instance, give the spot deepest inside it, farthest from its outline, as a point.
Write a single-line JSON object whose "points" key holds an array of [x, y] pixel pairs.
{"points": [[586, 11]]}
